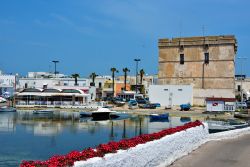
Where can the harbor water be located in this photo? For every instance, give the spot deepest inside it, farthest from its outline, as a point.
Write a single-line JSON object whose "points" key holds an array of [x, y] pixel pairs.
{"points": [[28, 136]]}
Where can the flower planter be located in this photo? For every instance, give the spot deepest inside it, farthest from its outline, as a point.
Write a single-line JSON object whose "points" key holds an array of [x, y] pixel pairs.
{"points": [[144, 150]]}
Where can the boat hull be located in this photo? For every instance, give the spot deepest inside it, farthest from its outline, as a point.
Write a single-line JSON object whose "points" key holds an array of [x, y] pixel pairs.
{"points": [[42, 112], [159, 118], [7, 110], [100, 115]]}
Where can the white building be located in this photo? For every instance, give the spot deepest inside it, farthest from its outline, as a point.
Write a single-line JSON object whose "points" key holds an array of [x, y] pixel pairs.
{"points": [[8, 80], [44, 75], [171, 95], [220, 104], [100, 80], [52, 97], [7, 85], [51, 82]]}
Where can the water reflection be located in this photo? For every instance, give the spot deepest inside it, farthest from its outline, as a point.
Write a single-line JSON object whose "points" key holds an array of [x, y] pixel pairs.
{"points": [[24, 135], [7, 123]]}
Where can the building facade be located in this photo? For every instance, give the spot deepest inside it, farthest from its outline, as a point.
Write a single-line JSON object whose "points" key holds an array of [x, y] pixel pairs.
{"points": [[118, 88], [8, 84], [242, 85], [51, 82], [207, 63], [171, 95], [52, 97]]}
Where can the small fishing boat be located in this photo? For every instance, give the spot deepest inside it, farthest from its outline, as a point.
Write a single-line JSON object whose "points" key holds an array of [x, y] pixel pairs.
{"points": [[185, 107], [238, 124], [7, 109], [43, 112], [219, 126], [159, 117]]}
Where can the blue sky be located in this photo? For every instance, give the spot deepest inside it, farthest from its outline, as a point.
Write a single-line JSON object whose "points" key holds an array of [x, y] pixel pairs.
{"points": [[94, 35]]}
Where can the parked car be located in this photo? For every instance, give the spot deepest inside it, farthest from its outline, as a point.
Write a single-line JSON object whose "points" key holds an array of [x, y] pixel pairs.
{"points": [[132, 104], [156, 104], [248, 104], [107, 98], [141, 100], [147, 106], [241, 105]]}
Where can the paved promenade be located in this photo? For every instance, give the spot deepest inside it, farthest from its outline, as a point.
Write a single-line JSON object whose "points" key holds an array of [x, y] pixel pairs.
{"points": [[224, 153]]}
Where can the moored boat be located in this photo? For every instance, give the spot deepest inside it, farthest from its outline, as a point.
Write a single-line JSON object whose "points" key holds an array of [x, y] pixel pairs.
{"points": [[238, 124], [159, 117], [185, 107], [102, 114], [219, 126], [43, 112], [7, 109]]}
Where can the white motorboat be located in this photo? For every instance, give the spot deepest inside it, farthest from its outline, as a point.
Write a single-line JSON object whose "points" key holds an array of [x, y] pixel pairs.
{"points": [[102, 114]]}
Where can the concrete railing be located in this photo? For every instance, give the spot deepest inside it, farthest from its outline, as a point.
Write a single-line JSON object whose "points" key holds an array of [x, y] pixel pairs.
{"points": [[160, 152]]}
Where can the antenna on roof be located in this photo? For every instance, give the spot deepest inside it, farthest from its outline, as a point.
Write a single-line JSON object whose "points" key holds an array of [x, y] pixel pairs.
{"points": [[180, 26], [49, 69], [203, 30]]}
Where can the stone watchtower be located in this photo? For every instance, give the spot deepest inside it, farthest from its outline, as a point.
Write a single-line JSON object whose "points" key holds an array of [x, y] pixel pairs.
{"points": [[208, 63]]}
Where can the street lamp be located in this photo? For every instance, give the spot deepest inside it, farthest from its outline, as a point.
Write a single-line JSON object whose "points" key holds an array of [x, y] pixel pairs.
{"points": [[55, 61], [136, 61], [241, 90]]}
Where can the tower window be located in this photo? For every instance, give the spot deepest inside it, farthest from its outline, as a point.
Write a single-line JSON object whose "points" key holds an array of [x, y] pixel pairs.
{"points": [[239, 88], [206, 58], [181, 58]]}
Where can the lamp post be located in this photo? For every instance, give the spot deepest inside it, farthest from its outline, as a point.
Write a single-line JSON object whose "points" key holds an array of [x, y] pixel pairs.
{"points": [[55, 61], [136, 61], [241, 90]]}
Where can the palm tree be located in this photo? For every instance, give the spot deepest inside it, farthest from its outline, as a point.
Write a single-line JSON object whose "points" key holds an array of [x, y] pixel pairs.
{"points": [[141, 75], [93, 75], [75, 76], [125, 70], [113, 70]]}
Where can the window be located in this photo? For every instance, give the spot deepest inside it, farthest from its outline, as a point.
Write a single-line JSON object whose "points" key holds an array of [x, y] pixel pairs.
{"points": [[206, 58], [181, 58], [100, 85], [179, 89], [239, 88], [165, 89]]}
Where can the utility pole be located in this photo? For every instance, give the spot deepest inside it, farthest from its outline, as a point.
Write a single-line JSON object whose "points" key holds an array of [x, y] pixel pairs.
{"points": [[136, 81], [241, 90], [55, 61]]}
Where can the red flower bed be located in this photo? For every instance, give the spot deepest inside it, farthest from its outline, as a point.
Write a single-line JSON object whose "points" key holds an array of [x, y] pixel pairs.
{"points": [[102, 149]]}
